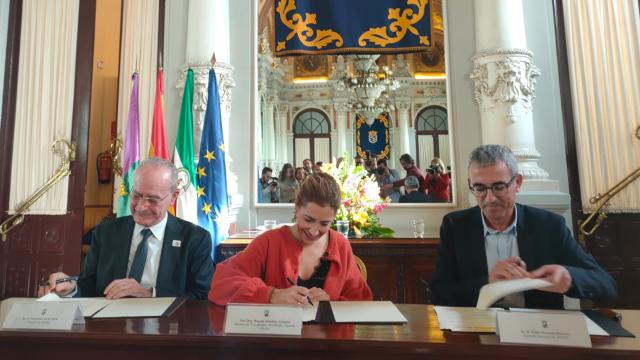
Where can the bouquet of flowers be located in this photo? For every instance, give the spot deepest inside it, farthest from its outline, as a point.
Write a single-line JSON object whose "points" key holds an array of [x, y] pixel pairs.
{"points": [[361, 201]]}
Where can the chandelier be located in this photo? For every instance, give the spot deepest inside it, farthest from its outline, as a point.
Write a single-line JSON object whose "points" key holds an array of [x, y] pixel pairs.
{"points": [[368, 88]]}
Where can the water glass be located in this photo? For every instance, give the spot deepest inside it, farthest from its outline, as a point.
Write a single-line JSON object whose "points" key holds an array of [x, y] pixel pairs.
{"points": [[342, 226], [270, 224], [418, 228]]}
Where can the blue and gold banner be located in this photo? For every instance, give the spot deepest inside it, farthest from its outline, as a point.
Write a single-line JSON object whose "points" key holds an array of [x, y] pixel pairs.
{"points": [[351, 26], [374, 138]]}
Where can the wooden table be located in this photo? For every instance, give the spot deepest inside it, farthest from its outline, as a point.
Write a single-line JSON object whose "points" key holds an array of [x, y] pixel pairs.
{"points": [[195, 331]]}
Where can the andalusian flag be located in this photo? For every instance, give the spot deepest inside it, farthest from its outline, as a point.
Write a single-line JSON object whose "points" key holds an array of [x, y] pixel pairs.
{"points": [[158, 147], [212, 173], [131, 151], [183, 155]]}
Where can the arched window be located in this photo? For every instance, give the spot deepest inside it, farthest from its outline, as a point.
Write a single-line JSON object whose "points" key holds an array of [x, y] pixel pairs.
{"points": [[311, 137], [432, 136]]}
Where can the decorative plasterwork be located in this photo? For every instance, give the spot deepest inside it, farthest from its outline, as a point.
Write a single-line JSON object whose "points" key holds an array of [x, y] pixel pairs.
{"points": [[225, 81], [504, 76], [403, 106], [342, 106]]}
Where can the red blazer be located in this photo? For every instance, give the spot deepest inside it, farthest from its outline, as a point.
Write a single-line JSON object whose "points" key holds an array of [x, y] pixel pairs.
{"points": [[270, 258], [440, 188]]}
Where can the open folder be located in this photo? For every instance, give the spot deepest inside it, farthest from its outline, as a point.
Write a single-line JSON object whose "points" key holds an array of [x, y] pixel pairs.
{"points": [[126, 307], [360, 312]]}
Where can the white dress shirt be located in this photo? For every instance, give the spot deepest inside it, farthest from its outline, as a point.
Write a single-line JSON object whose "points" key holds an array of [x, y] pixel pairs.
{"points": [[154, 242]]}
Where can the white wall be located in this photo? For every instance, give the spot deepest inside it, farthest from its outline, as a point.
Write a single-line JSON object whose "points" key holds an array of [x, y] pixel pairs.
{"points": [[464, 112], [174, 57], [4, 23]]}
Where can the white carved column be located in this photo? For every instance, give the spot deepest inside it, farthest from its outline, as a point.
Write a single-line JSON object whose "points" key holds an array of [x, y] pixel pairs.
{"points": [[504, 75], [342, 107], [289, 144], [281, 130], [268, 129], [208, 32], [403, 145]]}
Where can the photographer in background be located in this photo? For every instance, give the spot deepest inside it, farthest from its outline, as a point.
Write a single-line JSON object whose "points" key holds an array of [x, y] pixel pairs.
{"points": [[384, 176], [438, 181], [269, 191]]}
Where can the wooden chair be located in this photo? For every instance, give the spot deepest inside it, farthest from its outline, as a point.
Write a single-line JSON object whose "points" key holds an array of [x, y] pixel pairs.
{"points": [[361, 266]]}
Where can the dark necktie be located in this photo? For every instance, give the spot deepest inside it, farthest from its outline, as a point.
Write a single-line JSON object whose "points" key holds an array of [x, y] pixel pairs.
{"points": [[140, 258]]}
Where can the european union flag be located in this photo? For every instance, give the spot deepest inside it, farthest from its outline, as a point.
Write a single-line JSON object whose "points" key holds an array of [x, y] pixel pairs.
{"points": [[211, 171]]}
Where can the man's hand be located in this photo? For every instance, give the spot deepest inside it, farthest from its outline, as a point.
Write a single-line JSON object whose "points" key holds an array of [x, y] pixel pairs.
{"points": [[126, 288], [511, 268], [387, 186], [317, 294], [557, 275], [296, 295], [61, 289]]}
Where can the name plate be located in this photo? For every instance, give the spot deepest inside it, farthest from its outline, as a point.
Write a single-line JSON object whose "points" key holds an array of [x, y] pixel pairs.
{"points": [[543, 328], [263, 319], [43, 316]]}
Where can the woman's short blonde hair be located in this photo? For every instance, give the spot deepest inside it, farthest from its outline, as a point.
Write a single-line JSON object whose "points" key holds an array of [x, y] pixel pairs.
{"points": [[440, 163]]}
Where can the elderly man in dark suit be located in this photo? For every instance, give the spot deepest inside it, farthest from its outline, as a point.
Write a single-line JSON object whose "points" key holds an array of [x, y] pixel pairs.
{"points": [[149, 253], [499, 240]]}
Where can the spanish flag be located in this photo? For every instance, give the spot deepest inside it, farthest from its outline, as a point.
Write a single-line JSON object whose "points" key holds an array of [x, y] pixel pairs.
{"points": [[158, 147]]}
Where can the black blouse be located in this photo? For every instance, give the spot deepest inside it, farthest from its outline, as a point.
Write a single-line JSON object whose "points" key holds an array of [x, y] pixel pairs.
{"points": [[318, 277]]}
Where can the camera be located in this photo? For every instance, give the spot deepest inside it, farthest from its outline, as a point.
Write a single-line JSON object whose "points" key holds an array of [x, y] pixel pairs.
{"points": [[433, 169], [380, 171], [272, 181]]}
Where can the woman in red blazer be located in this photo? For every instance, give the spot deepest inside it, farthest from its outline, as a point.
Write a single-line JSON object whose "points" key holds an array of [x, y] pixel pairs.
{"points": [[294, 264]]}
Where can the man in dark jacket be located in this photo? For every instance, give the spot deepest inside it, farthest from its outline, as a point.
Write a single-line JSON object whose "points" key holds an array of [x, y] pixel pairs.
{"points": [[501, 240]]}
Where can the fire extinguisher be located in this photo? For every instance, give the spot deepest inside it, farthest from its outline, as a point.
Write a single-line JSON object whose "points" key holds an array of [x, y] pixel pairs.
{"points": [[103, 166]]}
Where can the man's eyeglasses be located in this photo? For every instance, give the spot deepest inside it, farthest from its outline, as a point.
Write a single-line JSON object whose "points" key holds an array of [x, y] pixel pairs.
{"points": [[151, 200], [499, 188]]}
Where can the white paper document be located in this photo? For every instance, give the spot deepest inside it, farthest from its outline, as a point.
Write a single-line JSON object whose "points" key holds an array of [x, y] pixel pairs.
{"points": [[136, 307], [366, 312], [88, 306], [490, 293], [468, 319], [309, 312]]}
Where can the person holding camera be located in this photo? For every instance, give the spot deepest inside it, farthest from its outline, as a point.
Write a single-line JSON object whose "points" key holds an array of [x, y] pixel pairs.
{"points": [[384, 176], [269, 190], [438, 181]]}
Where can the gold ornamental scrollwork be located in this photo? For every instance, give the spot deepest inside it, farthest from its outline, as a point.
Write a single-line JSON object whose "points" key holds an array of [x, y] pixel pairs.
{"points": [[300, 28], [404, 21], [66, 151], [115, 150]]}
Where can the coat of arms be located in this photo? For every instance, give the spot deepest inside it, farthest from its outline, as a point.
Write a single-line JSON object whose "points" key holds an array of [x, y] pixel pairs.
{"points": [[373, 136]]}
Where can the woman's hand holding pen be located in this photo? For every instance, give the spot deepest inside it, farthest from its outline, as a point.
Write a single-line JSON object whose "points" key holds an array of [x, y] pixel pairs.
{"points": [[59, 283], [297, 295], [317, 294]]}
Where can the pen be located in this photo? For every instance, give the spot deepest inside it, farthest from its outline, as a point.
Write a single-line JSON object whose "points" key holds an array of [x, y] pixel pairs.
{"points": [[294, 284], [66, 279]]}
